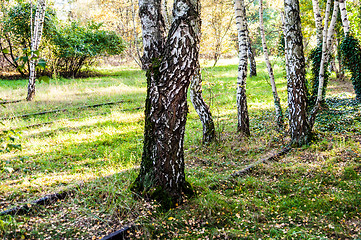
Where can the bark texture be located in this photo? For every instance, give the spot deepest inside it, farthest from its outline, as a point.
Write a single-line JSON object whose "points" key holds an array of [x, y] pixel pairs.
{"points": [[170, 66], [328, 32], [278, 108], [199, 105], [251, 58], [297, 100], [242, 109], [318, 21], [344, 17], [36, 33], [153, 31]]}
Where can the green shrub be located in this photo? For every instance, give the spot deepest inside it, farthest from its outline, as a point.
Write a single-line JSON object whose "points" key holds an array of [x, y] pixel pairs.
{"points": [[66, 48], [351, 56], [15, 34], [75, 46]]}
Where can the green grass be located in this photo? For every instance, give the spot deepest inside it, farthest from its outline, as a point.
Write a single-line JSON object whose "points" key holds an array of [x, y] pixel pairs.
{"points": [[314, 192]]}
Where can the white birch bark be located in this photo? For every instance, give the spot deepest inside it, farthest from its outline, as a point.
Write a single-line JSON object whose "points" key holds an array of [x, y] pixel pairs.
{"points": [[36, 34], [318, 21], [344, 17], [170, 65], [284, 35], [296, 87], [199, 105], [331, 29], [328, 32], [243, 118], [252, 60], [321, 76], [279, 114], [153, 31]]}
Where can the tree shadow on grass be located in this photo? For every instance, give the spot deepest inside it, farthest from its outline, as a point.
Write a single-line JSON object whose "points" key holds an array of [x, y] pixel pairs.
{"points": [[43, 172]]}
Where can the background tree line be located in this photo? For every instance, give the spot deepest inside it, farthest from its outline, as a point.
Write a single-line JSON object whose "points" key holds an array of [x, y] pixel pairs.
{"points": [[66, 47]]}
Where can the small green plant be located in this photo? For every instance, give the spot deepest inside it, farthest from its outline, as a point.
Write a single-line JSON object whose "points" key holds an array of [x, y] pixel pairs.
{"points": [[8, 141]]}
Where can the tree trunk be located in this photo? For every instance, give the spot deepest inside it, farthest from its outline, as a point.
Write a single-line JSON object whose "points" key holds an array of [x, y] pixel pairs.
{"points": [[199, 105], [36, 33], [326, 46], [318, 21], [252, 60], [297, 100], [284, 36], [278, 108], [169, 70], [344, 18], [243, 118]]}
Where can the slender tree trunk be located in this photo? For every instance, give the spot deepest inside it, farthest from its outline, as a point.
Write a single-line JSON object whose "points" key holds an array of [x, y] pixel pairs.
{"points": [[297, 100], [326, 46], [284, 36], [201, 107], [278, 108], [170, 66], [243, 118], [251, 58], [324, 60], [318, 21], [36, 31], [344, 17]]}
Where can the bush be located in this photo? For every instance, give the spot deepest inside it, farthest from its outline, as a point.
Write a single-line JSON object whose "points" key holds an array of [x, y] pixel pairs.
{"points": [[67, 48], [75, 46], [351, 56], [15, 34]]}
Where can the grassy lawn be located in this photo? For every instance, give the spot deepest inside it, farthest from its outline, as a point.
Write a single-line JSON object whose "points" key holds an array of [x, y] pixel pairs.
{"points": [[314, 192]]}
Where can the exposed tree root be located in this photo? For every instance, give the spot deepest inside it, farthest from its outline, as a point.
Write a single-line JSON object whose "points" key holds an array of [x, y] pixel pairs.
{"points": [[250, 167], [7, 102], [47, 200], [60, 110], [123, 233]]}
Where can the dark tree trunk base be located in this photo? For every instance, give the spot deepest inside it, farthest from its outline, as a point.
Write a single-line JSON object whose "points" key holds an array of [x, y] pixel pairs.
{"points": [[162, 195]]}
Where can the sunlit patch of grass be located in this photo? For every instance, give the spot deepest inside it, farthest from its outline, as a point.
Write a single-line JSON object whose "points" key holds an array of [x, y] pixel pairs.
{"points": [[313, 192]]}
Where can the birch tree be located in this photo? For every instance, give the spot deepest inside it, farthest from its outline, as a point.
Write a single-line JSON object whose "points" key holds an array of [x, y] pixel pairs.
{"points": [[170, 64], [344, 17], [199, 105], [278, 108], [251, 58], [318, 21], [296, 87], [242, 108], [328, 32], [36, 34]]}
